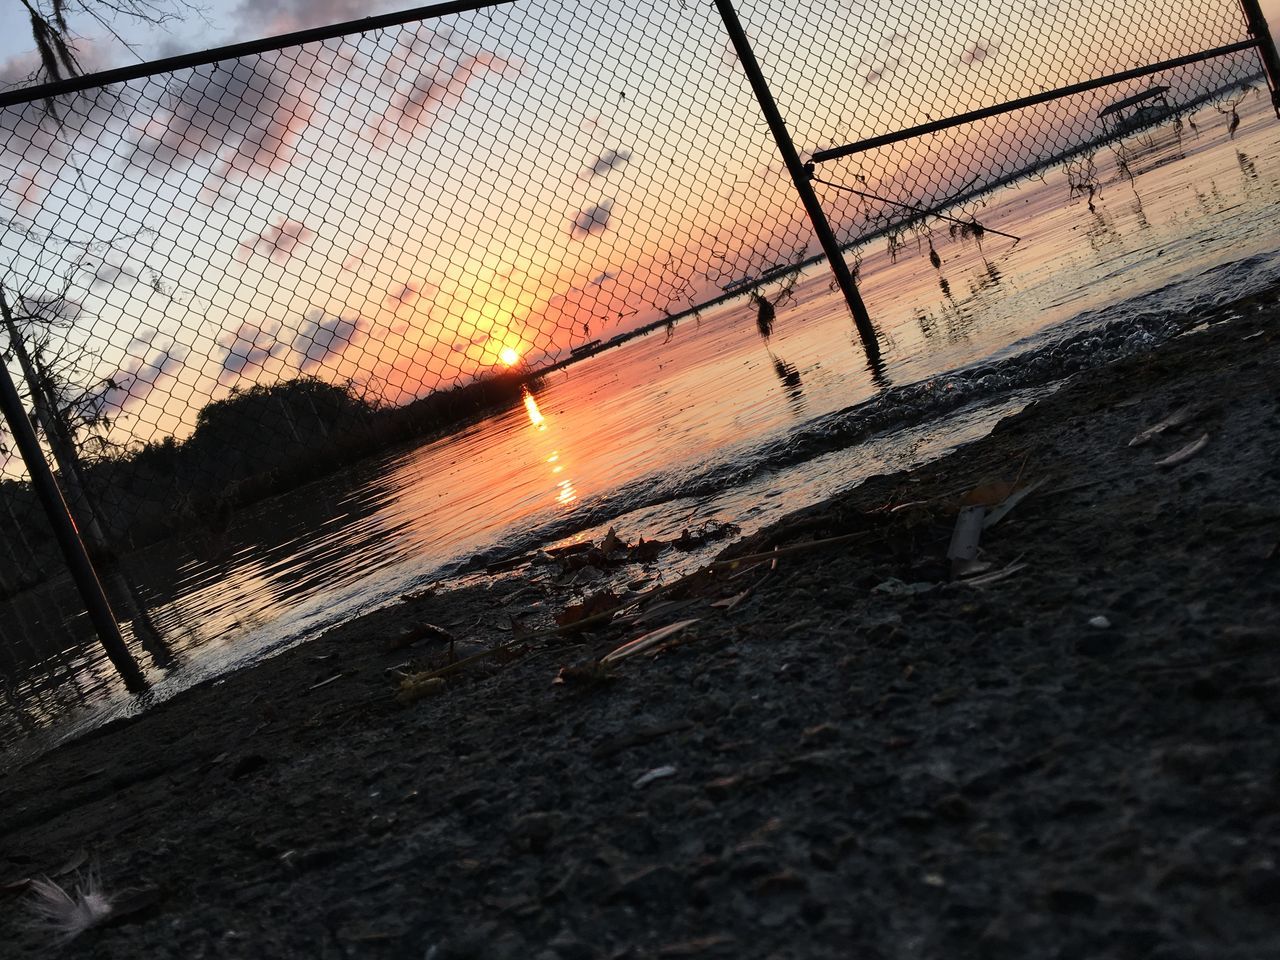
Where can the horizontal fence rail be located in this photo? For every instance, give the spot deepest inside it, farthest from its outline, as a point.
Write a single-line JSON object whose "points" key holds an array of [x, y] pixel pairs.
{"points": [[226, 273]]}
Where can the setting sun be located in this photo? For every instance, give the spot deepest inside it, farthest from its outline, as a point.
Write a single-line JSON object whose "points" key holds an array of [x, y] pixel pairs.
{"points": [[509, 356]]}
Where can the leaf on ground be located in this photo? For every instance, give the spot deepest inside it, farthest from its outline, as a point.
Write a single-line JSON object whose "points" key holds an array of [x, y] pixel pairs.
{"points": [[1174, 420], [989, 494], [612, 543], [584, 675], [657, 773], [418, 631], [1015, 498], [418, 685], [74, 863], [728, 603], [995, 576], [645, 551], [596, 604], [1186, 453], [646, 641], [132, 904], [14, 886]]}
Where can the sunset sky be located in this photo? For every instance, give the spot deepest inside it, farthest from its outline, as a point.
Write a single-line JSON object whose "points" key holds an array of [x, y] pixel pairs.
{"points": [[412, 208]]}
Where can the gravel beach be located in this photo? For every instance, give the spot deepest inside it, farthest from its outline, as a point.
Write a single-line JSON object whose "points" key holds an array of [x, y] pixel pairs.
{"points": [[908, 722]]}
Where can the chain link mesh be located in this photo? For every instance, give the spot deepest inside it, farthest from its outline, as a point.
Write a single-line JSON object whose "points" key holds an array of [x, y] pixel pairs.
{"points": [[227, 277]]}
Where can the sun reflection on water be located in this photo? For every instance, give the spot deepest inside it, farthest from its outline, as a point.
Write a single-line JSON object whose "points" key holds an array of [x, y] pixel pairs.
{"points": [[565, 492], [531, 407]]}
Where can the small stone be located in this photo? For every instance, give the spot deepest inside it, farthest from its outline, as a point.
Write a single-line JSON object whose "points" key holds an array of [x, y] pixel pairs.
{"points": [[1099, 622]]}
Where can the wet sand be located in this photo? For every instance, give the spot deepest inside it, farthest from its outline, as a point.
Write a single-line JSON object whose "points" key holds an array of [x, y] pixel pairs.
{"points": [[853, 751]]}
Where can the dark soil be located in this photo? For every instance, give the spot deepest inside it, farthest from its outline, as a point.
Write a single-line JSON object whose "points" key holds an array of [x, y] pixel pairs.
{"points": [[864, 757]]}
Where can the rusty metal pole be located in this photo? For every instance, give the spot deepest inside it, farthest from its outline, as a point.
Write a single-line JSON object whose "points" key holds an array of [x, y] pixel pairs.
{"points": [[1260, 32], [68, 536], [801, 178]]}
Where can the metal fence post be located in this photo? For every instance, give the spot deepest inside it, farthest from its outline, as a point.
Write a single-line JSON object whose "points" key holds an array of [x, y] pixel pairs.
{"points": [[68, 536], [1260, 32], [800, 177]]}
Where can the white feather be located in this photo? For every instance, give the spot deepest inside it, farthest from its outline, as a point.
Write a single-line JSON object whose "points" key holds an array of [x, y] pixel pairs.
{"points": [[64, 914]]}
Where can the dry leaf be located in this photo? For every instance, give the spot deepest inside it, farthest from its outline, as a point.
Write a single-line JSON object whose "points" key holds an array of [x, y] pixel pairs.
{"points": [[989, 494], [995, 576], [418, 685], [1002, 511], [602, 602], [415, 632], [74, 863], [657, 773], [1175, 419], [587, 675], [646, 641], [611, 542], [14, 886], [1186, 453], [728, 603]]}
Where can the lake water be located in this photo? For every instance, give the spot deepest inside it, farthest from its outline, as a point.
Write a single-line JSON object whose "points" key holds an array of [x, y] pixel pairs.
{"points": [[708, 424]]}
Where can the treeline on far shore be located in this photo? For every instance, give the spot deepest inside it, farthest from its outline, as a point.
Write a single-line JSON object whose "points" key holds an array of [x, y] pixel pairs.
{"points": [[255, 443]]}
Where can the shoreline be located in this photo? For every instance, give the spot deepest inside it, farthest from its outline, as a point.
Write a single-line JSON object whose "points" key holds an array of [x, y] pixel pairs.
{"points": [[846, 752]]}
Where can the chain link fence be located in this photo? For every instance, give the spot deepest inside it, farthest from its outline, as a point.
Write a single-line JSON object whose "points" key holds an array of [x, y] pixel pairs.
{"points": [[224, 278]]}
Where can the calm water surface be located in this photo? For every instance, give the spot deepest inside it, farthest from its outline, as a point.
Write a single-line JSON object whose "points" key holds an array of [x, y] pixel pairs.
{"points": [[710, 423]]}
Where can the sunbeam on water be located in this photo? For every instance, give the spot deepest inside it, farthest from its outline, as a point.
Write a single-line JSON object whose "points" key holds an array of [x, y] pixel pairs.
{"points": [[712, 423]]}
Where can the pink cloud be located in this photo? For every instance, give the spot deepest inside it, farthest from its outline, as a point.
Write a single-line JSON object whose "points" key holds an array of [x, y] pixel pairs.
{"points": [[435, 87], [278, 241]]}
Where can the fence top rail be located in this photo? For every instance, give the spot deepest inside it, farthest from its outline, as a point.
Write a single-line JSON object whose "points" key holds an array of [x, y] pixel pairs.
{"points": [[199, 58], [936, 126]]}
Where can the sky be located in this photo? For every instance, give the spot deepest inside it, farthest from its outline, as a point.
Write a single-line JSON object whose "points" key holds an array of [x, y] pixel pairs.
{"points": [[416, 207]]}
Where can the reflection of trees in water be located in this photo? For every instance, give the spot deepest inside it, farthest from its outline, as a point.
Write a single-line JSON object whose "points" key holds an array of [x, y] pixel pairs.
{"points": [[792, 385], [42, 676], [131, 607], [1248, 168], [954, 320], [1101, 232], [1139, 213]]}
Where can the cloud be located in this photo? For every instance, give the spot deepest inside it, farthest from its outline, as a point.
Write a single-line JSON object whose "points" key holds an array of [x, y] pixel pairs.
{"points": [[479, 340], [591, 220], [138, 376], [978, 51], [278, 241], [249, 347], [248, 118], [321, 337], [609, 160], [434, 87], [257, 19], [403, 293]]}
